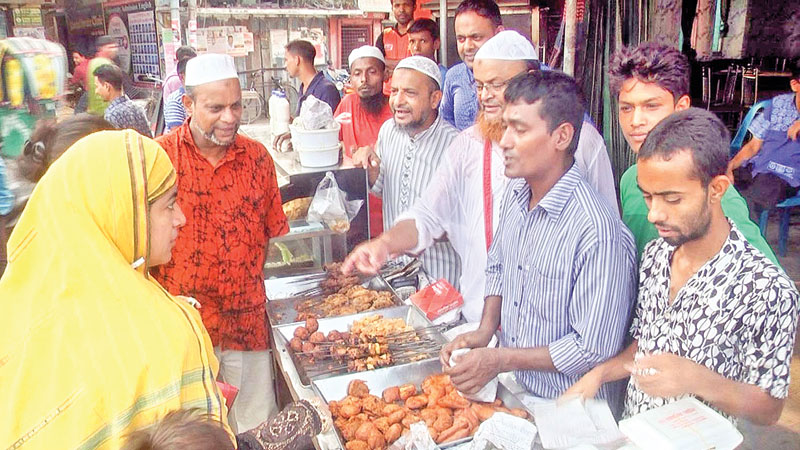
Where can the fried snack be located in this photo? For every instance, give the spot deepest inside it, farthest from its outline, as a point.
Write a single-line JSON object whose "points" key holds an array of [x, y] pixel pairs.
{"points": [[393, 433], [376, 440], [376, 326], [316, 337], [417, 401], [301, 332], [407, 390], [365, 430], [297, 208], [312, 324], [382, 424], [372, 405], [453, 400], [391, 394], [308, 347], [296, 344], [334, 336], [357, 388], [379, 421], [357, 445]]}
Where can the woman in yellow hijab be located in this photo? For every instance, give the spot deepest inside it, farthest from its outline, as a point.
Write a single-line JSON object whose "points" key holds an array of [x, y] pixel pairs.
{"points": [[91, 347]]}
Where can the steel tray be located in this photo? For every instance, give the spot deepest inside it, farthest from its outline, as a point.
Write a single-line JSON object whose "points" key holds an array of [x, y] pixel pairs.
{"points": [[335, 388], [410, 314], [283, 311]]}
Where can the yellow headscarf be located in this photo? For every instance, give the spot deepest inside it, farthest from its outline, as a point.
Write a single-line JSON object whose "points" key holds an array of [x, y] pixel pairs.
{"points": [[91, 348]]}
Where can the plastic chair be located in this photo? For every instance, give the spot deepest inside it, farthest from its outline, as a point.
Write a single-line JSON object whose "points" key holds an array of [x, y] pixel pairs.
{"points": [[784, 206]]}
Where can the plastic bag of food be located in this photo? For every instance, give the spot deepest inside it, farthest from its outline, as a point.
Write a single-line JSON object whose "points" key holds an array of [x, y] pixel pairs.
{"points": [[330, 205], [316, 114], [488, 393]]}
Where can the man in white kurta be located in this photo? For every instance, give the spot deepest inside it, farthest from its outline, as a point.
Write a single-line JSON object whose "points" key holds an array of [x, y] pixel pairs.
{"points": [[456, 205]]}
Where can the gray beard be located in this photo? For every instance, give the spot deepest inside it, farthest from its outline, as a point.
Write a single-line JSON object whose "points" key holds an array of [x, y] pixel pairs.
{"points": [[210, 136]]}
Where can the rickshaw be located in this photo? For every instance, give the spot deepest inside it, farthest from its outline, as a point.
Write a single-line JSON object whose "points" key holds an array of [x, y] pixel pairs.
{"points": [[33, 75]]}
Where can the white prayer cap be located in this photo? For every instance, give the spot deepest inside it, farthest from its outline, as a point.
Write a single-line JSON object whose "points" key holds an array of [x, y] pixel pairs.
{"points": [[365, 51], [209, 67], [423, 65], [507, 45]]}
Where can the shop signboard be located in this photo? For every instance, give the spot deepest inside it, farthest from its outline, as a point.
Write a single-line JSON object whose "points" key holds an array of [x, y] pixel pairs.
{"points": [[233, 40], [86, 20], [27, 17], [133, 24]]}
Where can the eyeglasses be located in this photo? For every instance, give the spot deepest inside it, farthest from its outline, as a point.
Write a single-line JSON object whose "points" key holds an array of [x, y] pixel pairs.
{"points": [[492, 88]]}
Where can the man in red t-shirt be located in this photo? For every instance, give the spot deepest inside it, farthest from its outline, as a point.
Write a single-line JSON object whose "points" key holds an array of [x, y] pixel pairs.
{"points": [[362, 113], [228, 190]]}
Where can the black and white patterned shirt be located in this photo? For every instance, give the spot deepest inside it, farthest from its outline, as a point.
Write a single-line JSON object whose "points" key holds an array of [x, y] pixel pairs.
{"points": [[122, 113], [737, 316]]}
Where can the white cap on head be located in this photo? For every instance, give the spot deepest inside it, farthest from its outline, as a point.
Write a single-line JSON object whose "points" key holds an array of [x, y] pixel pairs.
{"points": [[209, 67], [507, 45], [423, 65], [365, 51]]}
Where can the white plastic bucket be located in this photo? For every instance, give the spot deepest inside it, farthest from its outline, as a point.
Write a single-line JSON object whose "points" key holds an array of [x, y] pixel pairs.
{"points": [[322, 157], [314, 139]]}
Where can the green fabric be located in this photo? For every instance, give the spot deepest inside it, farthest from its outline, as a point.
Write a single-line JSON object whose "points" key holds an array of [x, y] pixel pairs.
{"points": [[96, 105], [634, 214]]}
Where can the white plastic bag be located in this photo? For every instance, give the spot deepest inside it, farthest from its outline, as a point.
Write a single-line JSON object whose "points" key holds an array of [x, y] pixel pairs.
{"points": [[316, 114], [488, 393], [417, 438], [330, 205]]}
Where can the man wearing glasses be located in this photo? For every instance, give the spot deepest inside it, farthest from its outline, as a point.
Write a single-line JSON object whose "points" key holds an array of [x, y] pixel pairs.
{"points": [[462, 201]]}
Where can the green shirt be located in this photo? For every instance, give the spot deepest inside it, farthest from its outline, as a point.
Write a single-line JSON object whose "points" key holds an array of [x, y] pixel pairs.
{"points": [[634, 214], [95, 105]]}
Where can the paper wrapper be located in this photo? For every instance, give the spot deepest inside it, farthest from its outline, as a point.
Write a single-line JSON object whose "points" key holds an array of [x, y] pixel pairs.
{"points": [[505, 432], [417, 438], [488, 393]]}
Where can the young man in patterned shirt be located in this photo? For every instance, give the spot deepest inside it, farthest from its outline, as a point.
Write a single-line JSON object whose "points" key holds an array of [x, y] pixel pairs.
{"points": [[715, 318], [121, 111]]}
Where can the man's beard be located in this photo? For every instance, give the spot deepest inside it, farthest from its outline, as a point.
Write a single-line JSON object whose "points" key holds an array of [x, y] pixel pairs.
{"points": [[698, 228], [492, 130], [374, 104], [210, 135]]}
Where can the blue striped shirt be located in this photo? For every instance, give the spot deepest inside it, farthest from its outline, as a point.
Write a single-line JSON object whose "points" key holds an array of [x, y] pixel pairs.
{"points": [[459, 98], [6, 196], [174, 112], [566, 271]]}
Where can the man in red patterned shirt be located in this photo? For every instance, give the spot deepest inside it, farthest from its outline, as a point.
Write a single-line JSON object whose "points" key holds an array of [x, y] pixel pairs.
{"points": [[229, 193]]}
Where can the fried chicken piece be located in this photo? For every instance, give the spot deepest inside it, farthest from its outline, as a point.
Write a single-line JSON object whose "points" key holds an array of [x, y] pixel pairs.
{"points": [[453, 400], [382, 424], [393, 433], [363, 432], [409, 419], [407, 390], [435, 392], [373, 405], [429, 416], [357, 445], [350, 427], [333, 407], [396, 416], [442, 422], [417, 401], [349, 407], [308, 347], [471, 416], [391, 394], [483, 411], [357, 388], [437, 379], [376, 440], [459, 430]]}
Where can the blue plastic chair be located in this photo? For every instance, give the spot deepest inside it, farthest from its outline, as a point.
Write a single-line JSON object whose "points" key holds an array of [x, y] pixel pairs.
{"points": [[784, 206]]}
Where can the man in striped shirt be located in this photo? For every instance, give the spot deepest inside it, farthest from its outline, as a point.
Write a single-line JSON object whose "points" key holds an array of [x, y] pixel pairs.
{"points": [[409, 149], [561, 274]]}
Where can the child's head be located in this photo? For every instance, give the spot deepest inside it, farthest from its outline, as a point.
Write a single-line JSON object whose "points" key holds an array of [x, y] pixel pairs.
{"points": [[181, 429]]}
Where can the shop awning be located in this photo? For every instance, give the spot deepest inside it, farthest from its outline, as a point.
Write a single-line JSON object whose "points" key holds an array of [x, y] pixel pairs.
{"points": [[275, 12]]}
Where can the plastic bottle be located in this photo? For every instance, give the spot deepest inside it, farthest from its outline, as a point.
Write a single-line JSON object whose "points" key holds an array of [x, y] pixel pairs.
{"points": [[279, 113]]}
